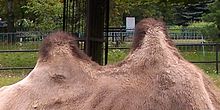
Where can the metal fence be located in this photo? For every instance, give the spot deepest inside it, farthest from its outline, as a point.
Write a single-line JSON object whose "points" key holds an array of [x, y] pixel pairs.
{"points": [[19, 44], [28, 44], [204, 53]]}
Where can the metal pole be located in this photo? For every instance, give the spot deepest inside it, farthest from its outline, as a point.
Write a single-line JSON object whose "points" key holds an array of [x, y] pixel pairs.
{"points": [[107, 30], [217, 48], [64, 14], [95, 29]]}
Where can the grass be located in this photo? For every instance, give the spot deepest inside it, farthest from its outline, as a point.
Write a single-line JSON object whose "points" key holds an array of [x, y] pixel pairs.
{"points": [[23, 59], [18, 59], [20, 46], [4, 81], [8, 77], [188, 41], [216, 79], [116, 55]]}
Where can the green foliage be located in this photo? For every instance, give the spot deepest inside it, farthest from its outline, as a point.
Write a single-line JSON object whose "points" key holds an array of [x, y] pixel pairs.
{"points": [[116, 55], [24, 24], [175, 29], [208, 29], [3, 10], [139, 9], [164, 9], [188, 12], [214, 15], [40, 14], [17, 8], [45, 14]]}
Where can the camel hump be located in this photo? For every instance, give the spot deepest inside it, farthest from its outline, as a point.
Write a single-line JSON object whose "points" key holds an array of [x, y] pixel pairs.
{"points": [[147, 27], [60, 43], [58, 38], [148, 23]]}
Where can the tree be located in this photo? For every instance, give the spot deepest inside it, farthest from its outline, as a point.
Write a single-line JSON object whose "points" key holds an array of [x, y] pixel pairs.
{"points": [[10, 12], [3, 9], [45, 14], [187, 13], [140, 9], [214, 15]]}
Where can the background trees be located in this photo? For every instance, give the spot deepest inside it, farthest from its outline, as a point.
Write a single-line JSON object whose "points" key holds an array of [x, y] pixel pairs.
{"points": [[38, 14], [180, 12], [47, 14], [214, 15], [44, 14]]}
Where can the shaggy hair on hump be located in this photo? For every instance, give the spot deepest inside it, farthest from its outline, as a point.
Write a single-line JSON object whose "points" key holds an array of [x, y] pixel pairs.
{"points": [[57, 39], [142, 28]]}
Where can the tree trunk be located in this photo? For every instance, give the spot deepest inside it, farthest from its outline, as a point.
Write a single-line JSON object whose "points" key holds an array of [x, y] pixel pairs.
{"points": [[10, 16], [10, 21]]}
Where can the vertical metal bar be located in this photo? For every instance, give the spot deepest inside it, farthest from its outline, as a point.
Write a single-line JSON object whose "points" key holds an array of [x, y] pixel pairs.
{"points": [[64, 15], [95, 25], [80, 18], [73, 17], [217, 49], [83, 8], [107, 30], [85, 25], [69, 15], [87, 40]]}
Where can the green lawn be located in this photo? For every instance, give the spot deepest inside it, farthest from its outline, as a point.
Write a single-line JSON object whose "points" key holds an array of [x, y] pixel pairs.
{"points": [[4, 81], [21, 59], [8, 77], [20, 46], [188, 41], [18, 59]]}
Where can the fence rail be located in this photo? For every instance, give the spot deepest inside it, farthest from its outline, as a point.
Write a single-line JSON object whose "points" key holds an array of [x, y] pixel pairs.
{"points": [[215, 45], [36, 37], [202, 45]]}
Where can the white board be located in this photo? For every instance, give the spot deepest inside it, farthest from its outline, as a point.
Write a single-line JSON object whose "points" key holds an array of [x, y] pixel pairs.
{"points": [[130, 23]]}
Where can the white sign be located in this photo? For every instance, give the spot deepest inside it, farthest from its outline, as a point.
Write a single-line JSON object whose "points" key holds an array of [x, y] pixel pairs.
{"points": [[130, 23]]}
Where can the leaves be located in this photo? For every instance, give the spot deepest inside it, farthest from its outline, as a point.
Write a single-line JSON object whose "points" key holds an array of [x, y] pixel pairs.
{"points": [[214, 15], [46, 14], [140, 9]]}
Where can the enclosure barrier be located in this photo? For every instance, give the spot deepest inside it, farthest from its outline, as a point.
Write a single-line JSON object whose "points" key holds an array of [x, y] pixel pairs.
{"points": [[204, 48], [214, 49], [115, 35]]}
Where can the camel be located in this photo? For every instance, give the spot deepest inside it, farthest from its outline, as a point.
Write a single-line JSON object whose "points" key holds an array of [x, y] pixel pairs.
{"points": [[154, 76]]}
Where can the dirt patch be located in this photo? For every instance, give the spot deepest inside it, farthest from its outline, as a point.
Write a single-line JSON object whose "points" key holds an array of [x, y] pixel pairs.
{"points": [[154, 76]]}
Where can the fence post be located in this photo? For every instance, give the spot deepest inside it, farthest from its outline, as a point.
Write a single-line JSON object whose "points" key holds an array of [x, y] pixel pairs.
{"points": [[217, 49], [107, 30]]}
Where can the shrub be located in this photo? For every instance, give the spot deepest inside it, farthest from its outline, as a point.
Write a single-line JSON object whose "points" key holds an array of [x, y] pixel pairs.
{"points": [[208, 29]]}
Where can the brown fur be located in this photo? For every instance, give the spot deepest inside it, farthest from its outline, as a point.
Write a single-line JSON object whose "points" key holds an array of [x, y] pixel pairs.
{"points": [[61, 40], [154, 76]]}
